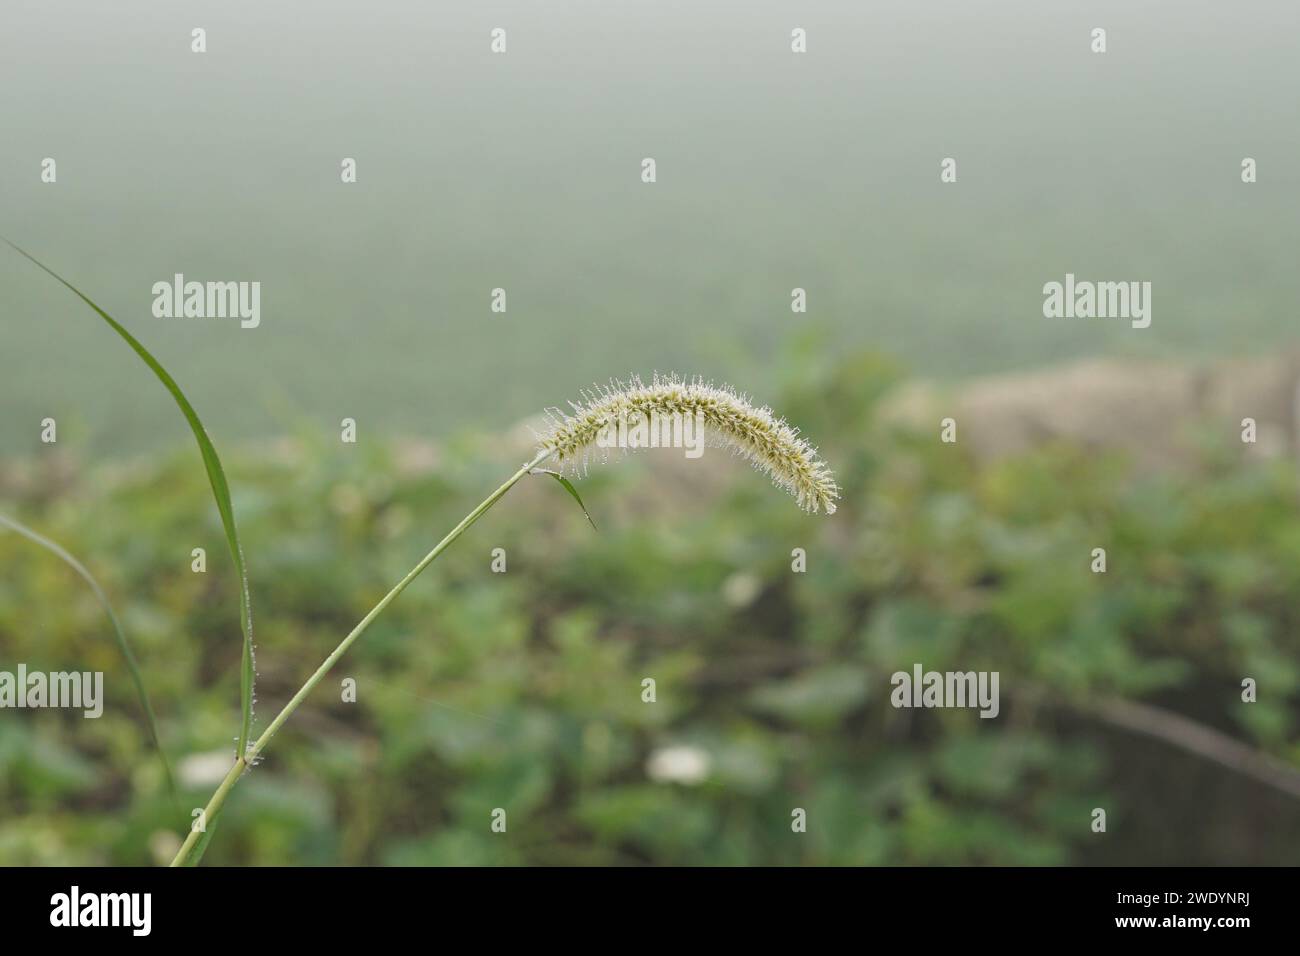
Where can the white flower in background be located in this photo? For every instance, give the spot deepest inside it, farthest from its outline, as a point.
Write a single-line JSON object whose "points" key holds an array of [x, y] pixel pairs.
{"points": [[741, 589], [678, 764], [205, 770]]}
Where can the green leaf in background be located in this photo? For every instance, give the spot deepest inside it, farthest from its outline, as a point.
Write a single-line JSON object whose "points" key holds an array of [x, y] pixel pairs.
{"points": [[220, 491], [817, 696], [118, 633]]}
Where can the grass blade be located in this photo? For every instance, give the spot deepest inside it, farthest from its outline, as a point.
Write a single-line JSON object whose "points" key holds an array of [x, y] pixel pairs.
{"points": [[118, 633], [568, 486], [220, 491]]}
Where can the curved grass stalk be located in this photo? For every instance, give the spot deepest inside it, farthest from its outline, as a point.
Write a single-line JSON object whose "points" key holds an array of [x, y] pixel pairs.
{"points": [[141, 694], [220, 492], [192, 849]]}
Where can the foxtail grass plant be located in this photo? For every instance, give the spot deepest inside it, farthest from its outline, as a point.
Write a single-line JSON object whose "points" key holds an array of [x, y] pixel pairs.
{"points": [[769, 443], [773, 446]]}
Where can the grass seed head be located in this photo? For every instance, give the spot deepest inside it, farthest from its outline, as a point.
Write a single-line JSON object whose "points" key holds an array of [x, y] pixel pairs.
{"points": [[769, 443]]}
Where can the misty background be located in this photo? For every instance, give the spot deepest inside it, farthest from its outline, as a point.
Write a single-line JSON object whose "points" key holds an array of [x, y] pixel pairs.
{"points": [[522, 171]]}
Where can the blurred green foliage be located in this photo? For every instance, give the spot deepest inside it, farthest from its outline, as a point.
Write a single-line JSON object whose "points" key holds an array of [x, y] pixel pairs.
{"points": [[523, 690]]}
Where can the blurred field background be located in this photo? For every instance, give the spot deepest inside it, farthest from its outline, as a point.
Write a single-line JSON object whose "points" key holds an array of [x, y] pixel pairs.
{"points": [[522, 690]]}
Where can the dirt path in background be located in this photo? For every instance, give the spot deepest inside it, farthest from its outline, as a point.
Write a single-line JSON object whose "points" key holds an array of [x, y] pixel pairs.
{"points": [[1147, 409]]}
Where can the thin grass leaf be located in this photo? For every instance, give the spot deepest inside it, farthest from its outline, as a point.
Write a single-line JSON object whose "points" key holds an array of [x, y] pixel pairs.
{"points": [[568, 486], [118, 633], [220, 491]]}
